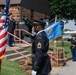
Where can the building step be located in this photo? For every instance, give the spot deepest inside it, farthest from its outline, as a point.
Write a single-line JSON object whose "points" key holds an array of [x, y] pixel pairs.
{"points": [[20, 57], [11, 51], [15, 53], [14, 56]]}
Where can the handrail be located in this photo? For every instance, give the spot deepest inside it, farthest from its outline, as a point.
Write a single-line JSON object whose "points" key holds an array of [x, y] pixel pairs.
{"points": [[24, 31], [20, 39], [57, 48], [19, 52], [21, 30], [55, 56]]}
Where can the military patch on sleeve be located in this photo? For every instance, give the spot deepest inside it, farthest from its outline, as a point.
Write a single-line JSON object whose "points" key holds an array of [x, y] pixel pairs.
{"points": [[39, 45]]}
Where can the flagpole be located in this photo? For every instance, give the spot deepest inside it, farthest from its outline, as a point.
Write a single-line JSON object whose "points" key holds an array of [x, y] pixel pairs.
{"points": [[0, 63], [55, 22]]}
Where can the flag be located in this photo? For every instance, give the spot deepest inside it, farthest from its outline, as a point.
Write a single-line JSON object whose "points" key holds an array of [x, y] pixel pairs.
{"points": [[3, 28], [53, 31]]}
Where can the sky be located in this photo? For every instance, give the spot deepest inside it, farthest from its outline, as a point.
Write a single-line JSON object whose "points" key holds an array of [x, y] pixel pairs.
{"points": [[70, 25]]}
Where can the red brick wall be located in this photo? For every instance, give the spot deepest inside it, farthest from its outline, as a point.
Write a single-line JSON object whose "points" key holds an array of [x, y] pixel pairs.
{"points": [[27, 14], [15, 10]]}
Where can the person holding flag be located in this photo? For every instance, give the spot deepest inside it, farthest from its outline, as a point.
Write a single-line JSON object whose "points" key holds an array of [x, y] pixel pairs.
{"points": [[3, 30]]}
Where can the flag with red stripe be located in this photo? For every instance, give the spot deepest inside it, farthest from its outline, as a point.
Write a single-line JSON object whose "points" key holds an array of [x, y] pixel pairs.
{"points": [[4, 28]]}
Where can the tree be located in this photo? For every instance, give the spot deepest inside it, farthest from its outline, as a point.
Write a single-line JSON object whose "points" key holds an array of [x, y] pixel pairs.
{"points": [[63, 8]]}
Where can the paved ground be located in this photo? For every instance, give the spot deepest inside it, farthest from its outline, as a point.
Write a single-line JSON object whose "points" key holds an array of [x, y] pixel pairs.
{"points": [[68, 69]]}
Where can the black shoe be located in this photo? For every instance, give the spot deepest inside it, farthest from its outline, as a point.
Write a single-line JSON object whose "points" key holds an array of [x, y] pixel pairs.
{"points": [[74, 60]]}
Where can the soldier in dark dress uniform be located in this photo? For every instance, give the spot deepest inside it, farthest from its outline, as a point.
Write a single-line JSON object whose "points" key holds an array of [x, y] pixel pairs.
{"points": [[41, 60], [73, 46], [11, 28]]}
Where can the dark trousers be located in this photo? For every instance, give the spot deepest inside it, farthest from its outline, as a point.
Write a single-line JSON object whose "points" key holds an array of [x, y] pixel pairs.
{"points": [[73, 54], [10, 40], [44, 74]]}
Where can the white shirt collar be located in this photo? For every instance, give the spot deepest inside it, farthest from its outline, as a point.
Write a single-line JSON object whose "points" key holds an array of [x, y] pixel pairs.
{"points": [[40, 32]]}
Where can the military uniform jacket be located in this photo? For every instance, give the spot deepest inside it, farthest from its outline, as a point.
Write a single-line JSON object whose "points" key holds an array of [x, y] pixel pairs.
{"points": [[41, 60], [73, 42], [11, 26]]}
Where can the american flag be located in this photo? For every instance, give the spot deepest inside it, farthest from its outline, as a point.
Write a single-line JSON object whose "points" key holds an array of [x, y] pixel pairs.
{"points": [[4, 28]]}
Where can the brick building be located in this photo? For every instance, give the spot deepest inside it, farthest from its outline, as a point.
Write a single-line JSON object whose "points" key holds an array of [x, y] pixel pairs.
{"points": [[19, 11]]}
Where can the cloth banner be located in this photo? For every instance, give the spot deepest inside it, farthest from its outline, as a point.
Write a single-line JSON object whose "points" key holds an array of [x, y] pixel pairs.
{"points": [[54, 31]]}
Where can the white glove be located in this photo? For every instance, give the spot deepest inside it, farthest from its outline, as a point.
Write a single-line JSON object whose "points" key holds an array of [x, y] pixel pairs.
{"points": [[33, 72]]}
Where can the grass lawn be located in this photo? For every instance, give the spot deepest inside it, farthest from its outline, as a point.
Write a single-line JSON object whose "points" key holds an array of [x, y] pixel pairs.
{"points": [[11, 68], [66, 46]]}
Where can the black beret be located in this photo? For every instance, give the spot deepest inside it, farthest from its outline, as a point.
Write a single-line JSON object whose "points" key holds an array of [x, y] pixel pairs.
{"points": [[40, 22]]}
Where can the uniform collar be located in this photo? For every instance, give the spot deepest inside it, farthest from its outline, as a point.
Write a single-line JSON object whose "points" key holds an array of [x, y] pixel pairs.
{"points": [[40, 32]]}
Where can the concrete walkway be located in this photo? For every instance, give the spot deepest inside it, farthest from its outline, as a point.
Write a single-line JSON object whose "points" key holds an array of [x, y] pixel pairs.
{"points": [[68, 69]]}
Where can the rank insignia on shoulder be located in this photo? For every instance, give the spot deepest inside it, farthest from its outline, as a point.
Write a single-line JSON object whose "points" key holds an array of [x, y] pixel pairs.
{"points": [[39, 45]]}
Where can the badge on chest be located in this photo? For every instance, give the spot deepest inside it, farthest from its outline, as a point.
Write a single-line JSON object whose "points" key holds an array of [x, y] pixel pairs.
{"points": [[39, 45]]}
